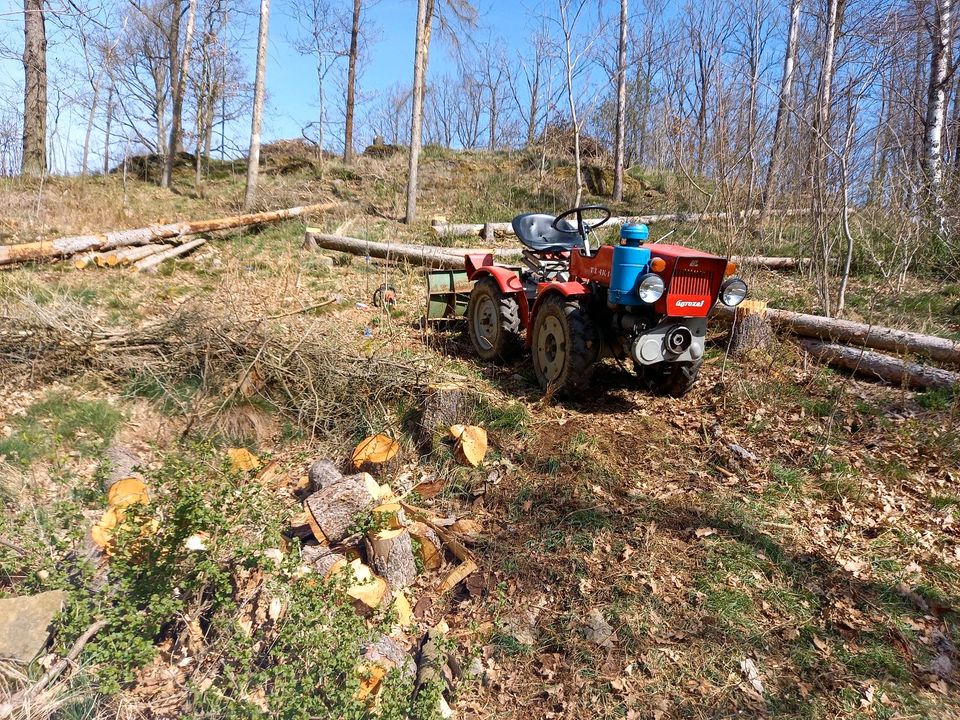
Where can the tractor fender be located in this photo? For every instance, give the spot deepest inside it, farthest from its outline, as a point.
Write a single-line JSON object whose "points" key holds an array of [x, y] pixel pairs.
{"points": [[569, 289], [509, 284]]}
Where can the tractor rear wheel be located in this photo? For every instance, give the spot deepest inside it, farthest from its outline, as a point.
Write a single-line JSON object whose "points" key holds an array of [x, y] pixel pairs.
{"points": [[566, 346], [674, 379], [493, 318]]}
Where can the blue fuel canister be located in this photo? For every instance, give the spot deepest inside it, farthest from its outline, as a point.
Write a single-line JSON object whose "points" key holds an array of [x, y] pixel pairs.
{"points": [[630, 261]]}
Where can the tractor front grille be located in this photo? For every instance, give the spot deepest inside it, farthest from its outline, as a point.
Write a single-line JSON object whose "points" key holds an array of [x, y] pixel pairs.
{"points": [[690, 282]]}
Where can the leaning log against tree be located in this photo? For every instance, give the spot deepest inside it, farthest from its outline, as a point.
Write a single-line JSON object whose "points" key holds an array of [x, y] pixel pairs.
{"points": [[884, 367], [67, 246], [854, 333]]}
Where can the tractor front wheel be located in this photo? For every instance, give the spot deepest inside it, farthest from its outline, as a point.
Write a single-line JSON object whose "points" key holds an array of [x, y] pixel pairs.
{"points": [[674, 379], [493, 318], [566, 346]]}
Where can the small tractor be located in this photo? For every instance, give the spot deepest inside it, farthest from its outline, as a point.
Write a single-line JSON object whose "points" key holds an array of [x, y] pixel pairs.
{"points": [[572, 303]]}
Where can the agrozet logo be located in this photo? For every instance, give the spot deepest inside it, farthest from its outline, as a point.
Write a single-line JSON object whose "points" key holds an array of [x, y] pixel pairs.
{"points": [[690, 303]]}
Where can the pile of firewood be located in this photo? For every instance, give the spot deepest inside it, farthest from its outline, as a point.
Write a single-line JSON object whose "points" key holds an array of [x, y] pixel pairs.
{"points": [[361, 534]]}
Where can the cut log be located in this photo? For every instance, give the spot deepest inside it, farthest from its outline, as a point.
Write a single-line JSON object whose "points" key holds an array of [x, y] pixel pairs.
{"points": [[883, 367], [367, 588], [67, 246], [334, 509], [85, 260], [374, 452], [128, 255], [471, 445], [119, 463], [391, 554], [149, 263], [432, 670], [770, 263], [854, 333], [751, 329], [322, 559], [323, 474], [390, 515]]}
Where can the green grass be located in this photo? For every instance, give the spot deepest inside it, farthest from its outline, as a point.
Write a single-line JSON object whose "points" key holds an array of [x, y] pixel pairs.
{"points": [[59, 422]]}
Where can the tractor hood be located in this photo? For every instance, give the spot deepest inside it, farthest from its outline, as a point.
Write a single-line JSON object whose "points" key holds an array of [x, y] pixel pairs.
{"points": [[693, 280]]}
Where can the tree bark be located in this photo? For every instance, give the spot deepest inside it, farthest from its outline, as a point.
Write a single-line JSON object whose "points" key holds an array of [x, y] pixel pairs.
{"points": [[390, 553], [416, 118], [751, 329], [941, 32], [883, 367], [178, 90], [784, 107], [253, 158], [351, 83], [34, 161], [66, 246], [335, 508], [621, 123]]}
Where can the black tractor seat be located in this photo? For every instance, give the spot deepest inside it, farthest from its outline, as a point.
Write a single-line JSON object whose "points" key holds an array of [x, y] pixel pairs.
{"points": [[535, 232]]}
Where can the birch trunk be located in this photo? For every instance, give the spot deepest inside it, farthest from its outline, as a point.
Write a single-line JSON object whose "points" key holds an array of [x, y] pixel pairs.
{"points": [[621, 123], [416, 120], [253, 158], [940, 32], [351, 83], [34, 162], [784, 107], [106, 133]]}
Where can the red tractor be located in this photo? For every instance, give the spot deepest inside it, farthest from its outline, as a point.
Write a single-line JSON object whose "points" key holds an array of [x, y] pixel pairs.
{"points": [[572, 304]]}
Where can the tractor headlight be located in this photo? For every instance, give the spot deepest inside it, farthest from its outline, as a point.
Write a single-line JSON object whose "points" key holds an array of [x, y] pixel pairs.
{"points": [[733, 291], [650, 288]]}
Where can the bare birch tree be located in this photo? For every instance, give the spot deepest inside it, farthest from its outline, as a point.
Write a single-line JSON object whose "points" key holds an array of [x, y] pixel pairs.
{"points": [[941, 33], [256, 120]]}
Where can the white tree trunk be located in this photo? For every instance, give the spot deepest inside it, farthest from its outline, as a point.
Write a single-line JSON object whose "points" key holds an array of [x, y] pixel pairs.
{"points": [[941, 31], [621, 129], [416, 119], [253, 157]]}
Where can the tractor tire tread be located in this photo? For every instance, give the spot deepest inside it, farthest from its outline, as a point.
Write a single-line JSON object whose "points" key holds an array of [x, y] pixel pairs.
{"points": [[585, 348], [509, 341]]}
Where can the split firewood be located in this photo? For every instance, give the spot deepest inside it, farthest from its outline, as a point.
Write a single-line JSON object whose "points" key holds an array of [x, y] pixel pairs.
{"points": [[391, 554], [334, 509], [404, 613], [471, 445], [428, 544], [460, 573], [379, 658], [367, 589], [752, 330], [300, 526], [374, 452], [322, 560]]}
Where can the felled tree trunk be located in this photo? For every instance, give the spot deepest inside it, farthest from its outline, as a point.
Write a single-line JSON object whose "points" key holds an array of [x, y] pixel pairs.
{"points": [[151, 262], [67, 246], [883, 367], [751, 329], [391, 554], [127, 256]]}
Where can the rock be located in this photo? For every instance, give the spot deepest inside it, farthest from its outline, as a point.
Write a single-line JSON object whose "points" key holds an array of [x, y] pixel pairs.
{"points": [[25, 624], [599, 631]]}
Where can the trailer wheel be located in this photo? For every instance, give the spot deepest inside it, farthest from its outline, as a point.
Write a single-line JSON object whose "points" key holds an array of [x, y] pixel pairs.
{"points": [[566, 346], [674, 379], [493, 319]]}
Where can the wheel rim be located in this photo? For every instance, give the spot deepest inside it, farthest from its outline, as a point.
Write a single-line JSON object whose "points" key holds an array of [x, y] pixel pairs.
{"points": [[486, 323], [551, 348]]}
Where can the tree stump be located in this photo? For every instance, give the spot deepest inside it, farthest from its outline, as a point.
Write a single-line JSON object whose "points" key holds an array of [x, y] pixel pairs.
{"points": [[334, 509], [391, 554], [751, 329], [444, 405]]}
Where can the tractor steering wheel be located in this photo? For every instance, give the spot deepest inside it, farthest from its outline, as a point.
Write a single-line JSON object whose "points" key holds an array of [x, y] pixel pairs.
{"points": [[581, 228]]}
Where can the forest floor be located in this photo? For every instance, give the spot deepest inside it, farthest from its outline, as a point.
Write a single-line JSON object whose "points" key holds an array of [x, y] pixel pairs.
{"points": [[781, 542]]}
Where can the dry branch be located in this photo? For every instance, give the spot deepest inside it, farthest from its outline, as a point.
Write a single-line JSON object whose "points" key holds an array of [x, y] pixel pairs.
{"points": [[893, 370], [67, 246]]}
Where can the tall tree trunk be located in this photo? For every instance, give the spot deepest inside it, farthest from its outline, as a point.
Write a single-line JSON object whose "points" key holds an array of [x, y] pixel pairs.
{"points": [[253, 158], [89, 131], [571, 100], [351, 83], [940, 35], [106, 132], [620, 140], [179, 86], [821, 138], [416, 118], [783, 109], [34, 161], [534, 101]]}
